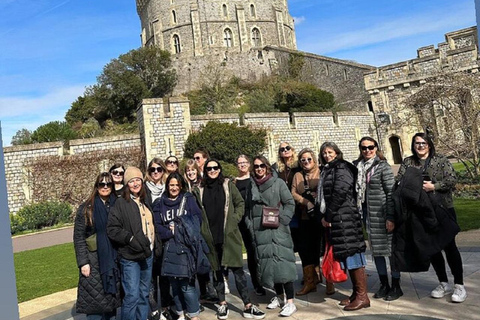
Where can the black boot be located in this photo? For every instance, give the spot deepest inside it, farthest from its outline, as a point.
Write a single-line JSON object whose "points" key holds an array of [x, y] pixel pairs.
{"points": [[384, 288], [395, 292]]}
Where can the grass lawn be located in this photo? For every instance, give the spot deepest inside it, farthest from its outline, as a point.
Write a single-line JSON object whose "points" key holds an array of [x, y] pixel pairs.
{"points": [[468, 213], [44, 271]]}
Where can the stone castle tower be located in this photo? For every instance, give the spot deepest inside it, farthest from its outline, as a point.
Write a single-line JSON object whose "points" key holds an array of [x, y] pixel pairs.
{"points": [[206, 27]]}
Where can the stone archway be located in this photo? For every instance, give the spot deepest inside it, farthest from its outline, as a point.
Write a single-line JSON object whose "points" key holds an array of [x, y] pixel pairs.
{"points": [[396, 147]]}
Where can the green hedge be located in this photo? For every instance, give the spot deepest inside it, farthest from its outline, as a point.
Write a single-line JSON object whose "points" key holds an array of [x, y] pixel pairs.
{"points": [[39, 215]]}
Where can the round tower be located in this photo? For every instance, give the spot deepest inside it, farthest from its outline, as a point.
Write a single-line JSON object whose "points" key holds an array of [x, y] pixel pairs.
{"points": [[205, 27]]}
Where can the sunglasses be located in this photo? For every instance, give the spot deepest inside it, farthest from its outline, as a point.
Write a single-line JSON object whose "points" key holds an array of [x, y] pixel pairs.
{"points": [[196, 158], [304, 160], [258, 166], [420, 143], [157, 169], [104, 184], [118, 173], [283, 149], [365, 148], [215, 168], [171, 162]]}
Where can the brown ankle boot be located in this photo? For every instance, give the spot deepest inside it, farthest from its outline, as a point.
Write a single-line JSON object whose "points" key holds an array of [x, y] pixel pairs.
{"points": [[361, 300], [330, 288], [346, 302], [309, 283]]}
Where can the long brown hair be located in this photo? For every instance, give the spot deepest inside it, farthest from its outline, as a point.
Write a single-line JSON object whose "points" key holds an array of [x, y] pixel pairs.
{"points": [[375, 143], [89, 203], [162, 165]]}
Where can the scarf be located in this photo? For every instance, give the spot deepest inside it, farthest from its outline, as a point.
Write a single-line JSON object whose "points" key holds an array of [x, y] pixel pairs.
{"points": [[214, 200], [261, 181], [320, 195], [362, 180], [107, 255], [155, 189]]}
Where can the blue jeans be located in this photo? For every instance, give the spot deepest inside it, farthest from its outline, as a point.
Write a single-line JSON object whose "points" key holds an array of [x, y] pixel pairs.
{"points": [[136, 278], [185, 296], [102, 316]]}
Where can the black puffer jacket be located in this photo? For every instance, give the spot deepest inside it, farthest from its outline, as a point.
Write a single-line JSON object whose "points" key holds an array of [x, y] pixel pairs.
{"points": [[90, 295], [346, 235], [124, 222]]}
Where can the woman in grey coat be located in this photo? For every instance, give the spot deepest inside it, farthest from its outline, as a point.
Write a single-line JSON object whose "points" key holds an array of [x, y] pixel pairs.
{"points": [[274, 246], [374, 199]]}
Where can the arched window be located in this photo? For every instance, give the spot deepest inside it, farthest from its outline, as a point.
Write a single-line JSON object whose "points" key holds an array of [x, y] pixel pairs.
{"points": [[174, 17], [176, 44], [256, 40], [345, 74], [252, 10], [225, 11], [227, 38]]}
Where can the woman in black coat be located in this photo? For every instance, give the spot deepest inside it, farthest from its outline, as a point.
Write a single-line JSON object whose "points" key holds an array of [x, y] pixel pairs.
{"points": [[99, 278], [337, 199]]}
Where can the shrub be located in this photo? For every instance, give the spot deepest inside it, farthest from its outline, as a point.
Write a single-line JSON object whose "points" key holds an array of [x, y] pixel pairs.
{"points": [[225, 141], [39, 215]]}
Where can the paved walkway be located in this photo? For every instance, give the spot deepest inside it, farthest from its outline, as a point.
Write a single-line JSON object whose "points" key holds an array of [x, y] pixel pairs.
{"points": [[416, 303]]}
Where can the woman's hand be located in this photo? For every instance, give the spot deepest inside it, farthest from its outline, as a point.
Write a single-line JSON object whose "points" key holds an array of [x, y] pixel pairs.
{"points": [[310, 205], [85, 270], [325, 223], [428, 186], [389, 225]]}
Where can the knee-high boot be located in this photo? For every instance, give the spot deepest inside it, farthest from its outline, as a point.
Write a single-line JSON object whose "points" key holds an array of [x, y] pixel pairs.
{"points": [[309, 283], [346, 302], [361, 300]]}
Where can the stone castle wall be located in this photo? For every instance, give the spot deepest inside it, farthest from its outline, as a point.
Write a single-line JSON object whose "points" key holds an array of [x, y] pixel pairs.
{"points": [[390, 85]]}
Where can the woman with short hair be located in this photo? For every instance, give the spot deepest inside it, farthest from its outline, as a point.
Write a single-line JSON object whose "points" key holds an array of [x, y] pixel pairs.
{"points": [[171, 164]]}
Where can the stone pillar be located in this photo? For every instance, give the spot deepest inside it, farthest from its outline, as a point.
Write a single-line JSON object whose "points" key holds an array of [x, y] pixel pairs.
{"points": [[196, 30], [164, 126], [280, 29], [243, 33], [8, 303]]}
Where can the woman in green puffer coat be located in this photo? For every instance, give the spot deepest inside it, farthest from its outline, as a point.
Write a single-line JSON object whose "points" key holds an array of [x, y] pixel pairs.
{"points": [[374, 198], [274, 247]]}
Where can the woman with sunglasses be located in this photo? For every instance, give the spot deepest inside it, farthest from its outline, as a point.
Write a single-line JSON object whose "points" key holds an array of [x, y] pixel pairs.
{"points": [[200, 156], [274, 247], [224, 208], [154, 188], [99, 278], [342, 220], [243, 184], [171, 164], [117, 171], [304, 192], [374, 200], [439, 181], [130, 226]]}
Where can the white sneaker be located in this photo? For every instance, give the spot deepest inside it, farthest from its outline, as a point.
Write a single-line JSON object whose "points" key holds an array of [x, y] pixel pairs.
{"points": [[288, 310], [459, 293], [274, 303], [227, 288], [441, 290]]}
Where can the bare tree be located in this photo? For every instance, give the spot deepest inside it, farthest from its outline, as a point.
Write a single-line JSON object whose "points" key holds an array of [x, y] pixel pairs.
{"points": [[448, 106]]}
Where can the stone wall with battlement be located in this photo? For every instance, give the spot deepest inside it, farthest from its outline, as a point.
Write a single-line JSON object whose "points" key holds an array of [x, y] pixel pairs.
{"points": [[390, 85]]}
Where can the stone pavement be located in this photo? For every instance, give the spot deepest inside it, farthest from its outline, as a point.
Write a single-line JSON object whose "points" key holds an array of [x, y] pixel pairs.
{"points": [[416, 304]]}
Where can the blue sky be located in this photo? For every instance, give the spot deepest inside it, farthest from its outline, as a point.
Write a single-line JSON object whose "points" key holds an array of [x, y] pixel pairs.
{"points": [[50, 50]]}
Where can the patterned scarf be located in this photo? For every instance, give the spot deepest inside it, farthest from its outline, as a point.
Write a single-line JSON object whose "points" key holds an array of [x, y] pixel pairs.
{"points": [[362, 180]]}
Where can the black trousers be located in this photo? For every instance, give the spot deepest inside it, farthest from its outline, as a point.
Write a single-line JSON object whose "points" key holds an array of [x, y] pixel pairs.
{"points": [[309, 243], [286, 288], [251, 258]]}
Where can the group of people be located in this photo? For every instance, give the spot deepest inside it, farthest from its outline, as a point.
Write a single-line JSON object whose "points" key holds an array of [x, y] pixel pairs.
{"points": [[137, 235]]}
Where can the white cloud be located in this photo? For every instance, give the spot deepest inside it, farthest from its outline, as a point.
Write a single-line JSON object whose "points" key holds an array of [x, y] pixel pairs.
{"points": [[298, 20]]}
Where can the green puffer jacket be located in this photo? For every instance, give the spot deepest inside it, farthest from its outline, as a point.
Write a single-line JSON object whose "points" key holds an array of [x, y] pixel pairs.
{"points": [[232, 244], [273, 247], [378, 199]]}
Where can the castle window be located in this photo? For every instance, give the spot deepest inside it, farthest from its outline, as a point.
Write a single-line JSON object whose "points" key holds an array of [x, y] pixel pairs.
{"points": [[327, 70], [225, 11], [227, 38], [256, 40], [345, 74], [174, 17], [252, 10], [176, 44]]}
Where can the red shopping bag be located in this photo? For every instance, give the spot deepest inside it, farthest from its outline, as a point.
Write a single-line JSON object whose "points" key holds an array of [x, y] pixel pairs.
{"points": [[331, 268]]}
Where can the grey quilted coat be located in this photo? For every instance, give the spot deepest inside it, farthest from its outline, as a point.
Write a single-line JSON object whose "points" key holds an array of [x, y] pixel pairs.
{"points": [[90, 296], [379, 203], [274, 247]]}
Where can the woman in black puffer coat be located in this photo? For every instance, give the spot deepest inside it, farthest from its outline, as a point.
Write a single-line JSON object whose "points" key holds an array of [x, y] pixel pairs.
{"points": [[99, 277], [337, 199]]}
